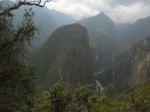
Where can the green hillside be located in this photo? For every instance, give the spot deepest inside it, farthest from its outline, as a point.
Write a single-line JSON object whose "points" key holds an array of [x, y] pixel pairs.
{"points": [[65, 54]]}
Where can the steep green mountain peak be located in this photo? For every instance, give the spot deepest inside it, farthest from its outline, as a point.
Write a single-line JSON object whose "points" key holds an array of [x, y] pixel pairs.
{"points": [[65, 55]]}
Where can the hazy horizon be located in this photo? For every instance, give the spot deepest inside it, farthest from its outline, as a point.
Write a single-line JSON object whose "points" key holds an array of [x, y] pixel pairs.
{"points": [[119, 11]]}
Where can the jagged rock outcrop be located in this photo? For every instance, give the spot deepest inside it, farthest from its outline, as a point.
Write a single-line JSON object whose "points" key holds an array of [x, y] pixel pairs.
{"points": [[65, 54], [129, 69]]}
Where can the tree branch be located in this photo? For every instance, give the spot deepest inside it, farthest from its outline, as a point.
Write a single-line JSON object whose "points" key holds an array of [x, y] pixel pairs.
{"points": [[38, 3]]}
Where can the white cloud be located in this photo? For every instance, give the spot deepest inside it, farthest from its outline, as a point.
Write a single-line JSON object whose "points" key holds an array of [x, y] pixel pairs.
{"points": [[120, 11], [76, 9], [130, 13]]}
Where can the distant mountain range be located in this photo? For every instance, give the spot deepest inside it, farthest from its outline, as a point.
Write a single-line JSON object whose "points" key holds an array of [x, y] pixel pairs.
{"points": [[47, 20], [74, 54], [133, 33], [108, 55], [123, 35]]}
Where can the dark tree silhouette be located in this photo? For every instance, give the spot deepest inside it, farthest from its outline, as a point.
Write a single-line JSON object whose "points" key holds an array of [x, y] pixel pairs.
{"points": [[17, 76]]}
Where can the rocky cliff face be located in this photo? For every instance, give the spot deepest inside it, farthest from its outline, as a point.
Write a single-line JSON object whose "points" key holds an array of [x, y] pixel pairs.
{"points": [[128, 69], [65, 54], [140, 62]]}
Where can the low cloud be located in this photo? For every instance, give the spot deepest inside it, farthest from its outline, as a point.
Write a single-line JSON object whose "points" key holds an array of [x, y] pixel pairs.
{"points": [[120, 11], [130, 13]]}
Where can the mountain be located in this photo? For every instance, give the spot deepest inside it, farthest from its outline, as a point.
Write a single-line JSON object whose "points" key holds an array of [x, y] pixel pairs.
{"points": [[101, 30], [133, 33], [100, 23], [128, 69], [47, 21], [65, 54], [103, 49]]}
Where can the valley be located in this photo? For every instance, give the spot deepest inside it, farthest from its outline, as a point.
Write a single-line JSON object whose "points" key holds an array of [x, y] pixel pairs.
{"points": [[52, 62], [108, 56]]}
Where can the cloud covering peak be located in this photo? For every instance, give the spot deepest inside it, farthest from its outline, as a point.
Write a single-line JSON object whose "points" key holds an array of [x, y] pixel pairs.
{"points": [[121, 11]]}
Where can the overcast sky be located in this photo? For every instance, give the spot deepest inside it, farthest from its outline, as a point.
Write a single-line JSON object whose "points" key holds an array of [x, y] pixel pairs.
{"points": [[120, 11]]}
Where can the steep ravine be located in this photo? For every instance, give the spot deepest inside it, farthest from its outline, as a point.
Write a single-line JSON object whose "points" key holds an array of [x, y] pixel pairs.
{"points": [[129, 69]]}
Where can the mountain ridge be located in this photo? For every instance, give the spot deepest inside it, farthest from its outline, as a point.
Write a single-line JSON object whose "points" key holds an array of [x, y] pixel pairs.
{"points": [[102, 35], [128, 69]]}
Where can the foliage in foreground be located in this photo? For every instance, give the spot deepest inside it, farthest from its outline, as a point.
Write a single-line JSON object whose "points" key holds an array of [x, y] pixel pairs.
{"points": [[17, 77], [82, 99]]}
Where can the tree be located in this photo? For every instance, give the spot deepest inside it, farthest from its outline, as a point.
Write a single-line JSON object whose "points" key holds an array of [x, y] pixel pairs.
{"points": [[110, 91], [17, 77], [19, 3]]}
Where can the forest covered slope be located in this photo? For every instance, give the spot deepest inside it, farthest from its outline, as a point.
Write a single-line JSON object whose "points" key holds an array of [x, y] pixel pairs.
{"points": [[65, 54], [128, 69]]}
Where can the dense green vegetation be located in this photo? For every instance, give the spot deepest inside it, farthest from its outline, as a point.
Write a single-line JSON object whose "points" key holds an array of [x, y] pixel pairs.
{"points": [[17, 77], [83, 99]]}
